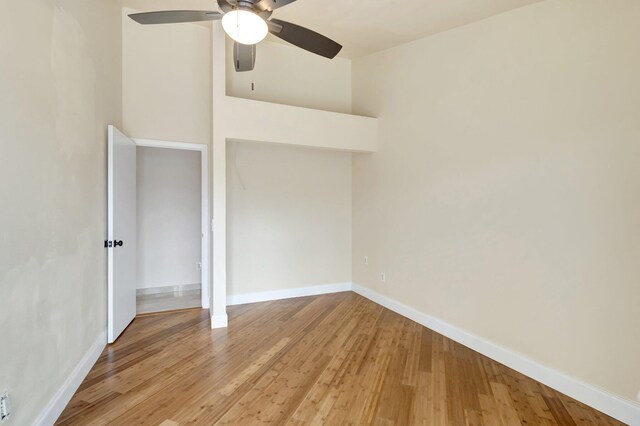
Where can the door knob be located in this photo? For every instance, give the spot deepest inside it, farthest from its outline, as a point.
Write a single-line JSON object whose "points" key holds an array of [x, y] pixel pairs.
{"points": [[117, 243]]}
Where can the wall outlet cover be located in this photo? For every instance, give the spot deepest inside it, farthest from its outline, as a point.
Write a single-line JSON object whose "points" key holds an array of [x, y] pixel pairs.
{"points": [[5, 407]]}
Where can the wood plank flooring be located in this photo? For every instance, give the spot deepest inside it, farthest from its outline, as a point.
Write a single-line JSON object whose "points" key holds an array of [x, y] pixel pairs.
{"points": [[333, 359]]}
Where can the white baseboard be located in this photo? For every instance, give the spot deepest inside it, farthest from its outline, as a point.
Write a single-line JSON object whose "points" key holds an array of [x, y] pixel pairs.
{"points": [[219, 321], [264, 296], [619, 408], [168, 289], [54, 408]]}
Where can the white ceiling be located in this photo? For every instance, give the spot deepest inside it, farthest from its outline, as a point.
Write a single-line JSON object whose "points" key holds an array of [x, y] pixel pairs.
{"points": [[367, 26]]}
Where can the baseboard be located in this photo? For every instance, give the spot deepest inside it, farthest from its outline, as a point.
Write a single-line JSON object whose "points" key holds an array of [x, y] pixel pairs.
{"points": [[619, 408], [265, 296], [167, 289], [54, 408], [219, 321]]}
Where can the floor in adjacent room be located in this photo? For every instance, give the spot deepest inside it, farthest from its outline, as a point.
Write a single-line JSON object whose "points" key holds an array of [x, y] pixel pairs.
{"points": [[171, 301], [331, 359]]}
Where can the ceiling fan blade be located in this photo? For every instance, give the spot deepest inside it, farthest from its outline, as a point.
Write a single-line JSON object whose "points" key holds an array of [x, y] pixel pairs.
{"points": [[174, 16], [304, 38], [244, 56], [270, 4]]}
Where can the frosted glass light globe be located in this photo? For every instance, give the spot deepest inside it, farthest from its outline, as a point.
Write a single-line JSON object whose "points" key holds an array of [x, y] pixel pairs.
{"points": [[244, 26]]}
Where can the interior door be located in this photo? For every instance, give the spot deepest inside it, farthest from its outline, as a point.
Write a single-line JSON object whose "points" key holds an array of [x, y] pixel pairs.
{"points": [[121, 242]]}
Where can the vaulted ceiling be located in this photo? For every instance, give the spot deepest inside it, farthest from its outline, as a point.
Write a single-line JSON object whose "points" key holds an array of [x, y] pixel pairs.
{"points": [[367, 26]]}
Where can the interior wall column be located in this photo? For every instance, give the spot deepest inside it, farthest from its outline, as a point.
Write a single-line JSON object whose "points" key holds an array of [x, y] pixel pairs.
{"points": [[219, 292]]}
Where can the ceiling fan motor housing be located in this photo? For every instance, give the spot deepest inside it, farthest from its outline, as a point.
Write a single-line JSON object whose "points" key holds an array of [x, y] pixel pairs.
{"points": [[259, 7]]}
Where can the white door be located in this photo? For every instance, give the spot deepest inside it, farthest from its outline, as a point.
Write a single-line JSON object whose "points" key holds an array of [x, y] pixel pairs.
{"points": [[121, 240]]}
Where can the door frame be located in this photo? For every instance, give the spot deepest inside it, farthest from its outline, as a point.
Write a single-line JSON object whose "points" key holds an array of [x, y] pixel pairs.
{"points": [[204, 188]]}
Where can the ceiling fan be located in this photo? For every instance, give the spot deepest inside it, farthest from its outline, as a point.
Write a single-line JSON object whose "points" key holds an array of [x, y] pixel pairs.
{"points": [[248, 22]]}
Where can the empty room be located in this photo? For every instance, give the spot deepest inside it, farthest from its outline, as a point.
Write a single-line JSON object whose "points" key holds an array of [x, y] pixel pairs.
{"points": [[313, 212]]}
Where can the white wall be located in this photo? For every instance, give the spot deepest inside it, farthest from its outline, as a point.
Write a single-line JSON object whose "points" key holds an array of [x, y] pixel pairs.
{"points": [[169, 217], [167, 76], [505, 197], [60, 86], [166, 79], [289, 217], [289, 75]]}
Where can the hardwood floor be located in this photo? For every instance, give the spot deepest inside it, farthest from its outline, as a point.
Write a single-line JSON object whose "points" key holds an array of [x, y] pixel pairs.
{"points": [[332, 359]]}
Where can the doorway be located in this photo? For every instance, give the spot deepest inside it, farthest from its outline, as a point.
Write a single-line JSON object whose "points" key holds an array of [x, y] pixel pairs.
{"points": [[172, 217], [164, 222]]}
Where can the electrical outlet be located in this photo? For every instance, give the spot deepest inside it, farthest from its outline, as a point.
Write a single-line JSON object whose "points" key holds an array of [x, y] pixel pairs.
{"points": [[5, 407], [383, 278], [366, 260]]}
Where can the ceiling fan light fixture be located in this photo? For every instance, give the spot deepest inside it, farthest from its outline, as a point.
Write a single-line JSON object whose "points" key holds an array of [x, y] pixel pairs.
{"points": [[244, 26]]}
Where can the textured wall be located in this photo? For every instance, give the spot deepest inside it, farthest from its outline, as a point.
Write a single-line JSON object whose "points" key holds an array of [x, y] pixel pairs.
{"points": [[60, 85], [169, 217], [289, 75], [289, 217], [505, 198]]}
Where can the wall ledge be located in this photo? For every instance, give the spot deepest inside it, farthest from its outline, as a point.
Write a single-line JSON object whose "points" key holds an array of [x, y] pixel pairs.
{"points": [[260, 121]]}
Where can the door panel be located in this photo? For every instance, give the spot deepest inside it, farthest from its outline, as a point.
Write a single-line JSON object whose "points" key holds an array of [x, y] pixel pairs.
{"points": [[122, 274]]}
